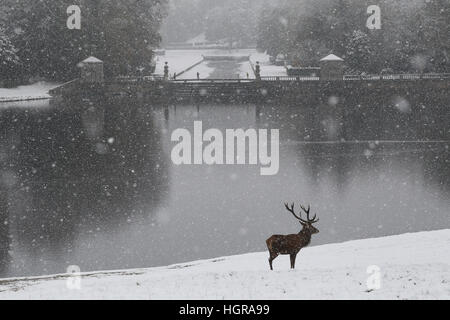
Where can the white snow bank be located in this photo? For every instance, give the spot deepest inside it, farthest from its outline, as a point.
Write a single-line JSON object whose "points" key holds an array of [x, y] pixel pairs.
{"points": [[38, 90], [413, 266]]}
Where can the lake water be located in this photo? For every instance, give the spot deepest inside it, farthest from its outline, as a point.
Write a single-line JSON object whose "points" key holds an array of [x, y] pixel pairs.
{"points": [[92, 183]]}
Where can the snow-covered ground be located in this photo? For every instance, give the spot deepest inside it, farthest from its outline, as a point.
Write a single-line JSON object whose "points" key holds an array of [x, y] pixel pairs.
{"points": [[267, 69], [38, 90], [180, 60], [412, 266]]}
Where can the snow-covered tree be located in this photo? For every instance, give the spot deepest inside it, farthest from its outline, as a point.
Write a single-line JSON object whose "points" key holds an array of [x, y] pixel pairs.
{"points": [[413, 33], [122, 33], [8, 57], [359, 52], [433, 36]]}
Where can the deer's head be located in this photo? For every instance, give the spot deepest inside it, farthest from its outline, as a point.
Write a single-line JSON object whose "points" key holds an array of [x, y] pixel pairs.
{"points": [[308, 223]]}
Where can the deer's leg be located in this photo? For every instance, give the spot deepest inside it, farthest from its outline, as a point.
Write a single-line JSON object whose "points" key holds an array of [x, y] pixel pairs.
{"points": [[293, 257], [272, 257]]}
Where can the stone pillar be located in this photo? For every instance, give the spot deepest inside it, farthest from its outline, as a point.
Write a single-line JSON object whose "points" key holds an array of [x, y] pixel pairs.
{"points": [[92, 70], [331, 68], [258, 71], [166, 71]]}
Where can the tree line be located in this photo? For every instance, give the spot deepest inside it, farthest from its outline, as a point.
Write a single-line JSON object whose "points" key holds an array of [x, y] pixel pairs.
{"points": [[414, 34], [36, 42]]}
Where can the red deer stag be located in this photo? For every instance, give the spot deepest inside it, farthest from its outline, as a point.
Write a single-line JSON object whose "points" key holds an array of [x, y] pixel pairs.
{"points": [[293, 243]]}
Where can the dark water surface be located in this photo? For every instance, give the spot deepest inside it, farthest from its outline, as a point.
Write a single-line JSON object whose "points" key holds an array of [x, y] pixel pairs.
{"points": [[92, 183]]}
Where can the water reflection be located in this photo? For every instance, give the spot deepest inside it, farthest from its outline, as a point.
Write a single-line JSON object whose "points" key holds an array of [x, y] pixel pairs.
{"points": [[92, 184], [74, 174]]}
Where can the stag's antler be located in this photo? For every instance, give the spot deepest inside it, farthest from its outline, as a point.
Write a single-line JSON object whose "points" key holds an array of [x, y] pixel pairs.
{"points": [[291, 210], [313, 220]]}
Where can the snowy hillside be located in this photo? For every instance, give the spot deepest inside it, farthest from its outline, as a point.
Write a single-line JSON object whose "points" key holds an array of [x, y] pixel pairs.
{"points": [[413, 266]]}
